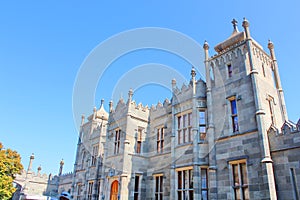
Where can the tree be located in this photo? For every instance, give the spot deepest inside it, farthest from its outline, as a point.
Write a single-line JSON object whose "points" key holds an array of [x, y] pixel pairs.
{"points": [[10, 165]]}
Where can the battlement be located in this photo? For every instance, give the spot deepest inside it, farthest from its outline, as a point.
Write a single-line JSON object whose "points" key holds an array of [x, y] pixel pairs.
{"points": [[288, 137]]}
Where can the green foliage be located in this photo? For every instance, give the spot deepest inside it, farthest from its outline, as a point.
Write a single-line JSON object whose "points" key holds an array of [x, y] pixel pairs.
{"points": [[10, 165]]}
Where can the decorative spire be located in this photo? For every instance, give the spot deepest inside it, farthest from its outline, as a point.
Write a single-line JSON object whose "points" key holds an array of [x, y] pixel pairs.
{"points": [[193, 72], [205, 45], [39, 169], [102, 103], [245, 22], [173, 83], [234, 23], [110, 106], [130, 94], [61, 167], [246, 27], [270, 45], [30, 162]]}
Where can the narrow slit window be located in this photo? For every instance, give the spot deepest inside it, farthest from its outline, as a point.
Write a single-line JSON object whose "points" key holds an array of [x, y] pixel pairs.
{"points": [[229, 68], [234, 115]]}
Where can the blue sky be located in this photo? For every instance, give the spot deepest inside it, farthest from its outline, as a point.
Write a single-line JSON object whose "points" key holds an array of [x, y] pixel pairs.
{"points": [[44, 43]]}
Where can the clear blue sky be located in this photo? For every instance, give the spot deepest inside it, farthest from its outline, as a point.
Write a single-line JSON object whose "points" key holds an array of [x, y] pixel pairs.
{"points": [[44, 43]]}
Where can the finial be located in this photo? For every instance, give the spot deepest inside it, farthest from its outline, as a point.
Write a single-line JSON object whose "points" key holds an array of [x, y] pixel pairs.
{"points": [[62, 162], [205, 45], [234, 23], [173, 82], [102, 102], [245, 23], [110, 105], [32, 156], [270, 44], [193, 72], [130, 93], [39, 168], [95, 109]]}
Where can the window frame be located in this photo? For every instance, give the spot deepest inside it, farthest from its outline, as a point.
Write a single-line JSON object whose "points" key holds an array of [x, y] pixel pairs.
{"points": [[204, 189], [242, 186], [78, 191], [90, 190], [234, 114], [137, 186], [184, 193], [158, 189], [184, 127], [202, 135], [117, 141], [160, 135], [95, 154], [139, 140]]}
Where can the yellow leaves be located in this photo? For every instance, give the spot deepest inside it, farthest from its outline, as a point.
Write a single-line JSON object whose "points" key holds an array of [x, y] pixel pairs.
{"points": [[10, 164]]}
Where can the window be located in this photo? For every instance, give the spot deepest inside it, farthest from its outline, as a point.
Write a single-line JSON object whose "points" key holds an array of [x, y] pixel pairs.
{"points": [[136, 187], [184, 128], [95, 155], [204, 184], [98, 189], [271, 109], [79, 188], [263, 70], [159, 187], [117, 141], [139, 141], [240, 180], [234, 116], [185, 184], [229, 68], [90, 190], [202, 125], [160, 140]]}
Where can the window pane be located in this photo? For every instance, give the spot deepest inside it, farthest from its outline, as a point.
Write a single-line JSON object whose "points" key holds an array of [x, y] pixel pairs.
{"points": [[191, 179], [202, 117], [204, 195], [191, 194], [237, 193], [156, 183], [233, 107], [246, 193], [203, 178], [179, 180], [161, 183], [184, 121], [236, 175], [179, 195], [235, 123], [136, 184], [202, 129], [178, 122], [161, 196], [244, 173]]}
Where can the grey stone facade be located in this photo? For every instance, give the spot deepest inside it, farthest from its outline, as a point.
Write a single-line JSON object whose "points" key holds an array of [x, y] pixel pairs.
{"points": [[217, 139]]}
